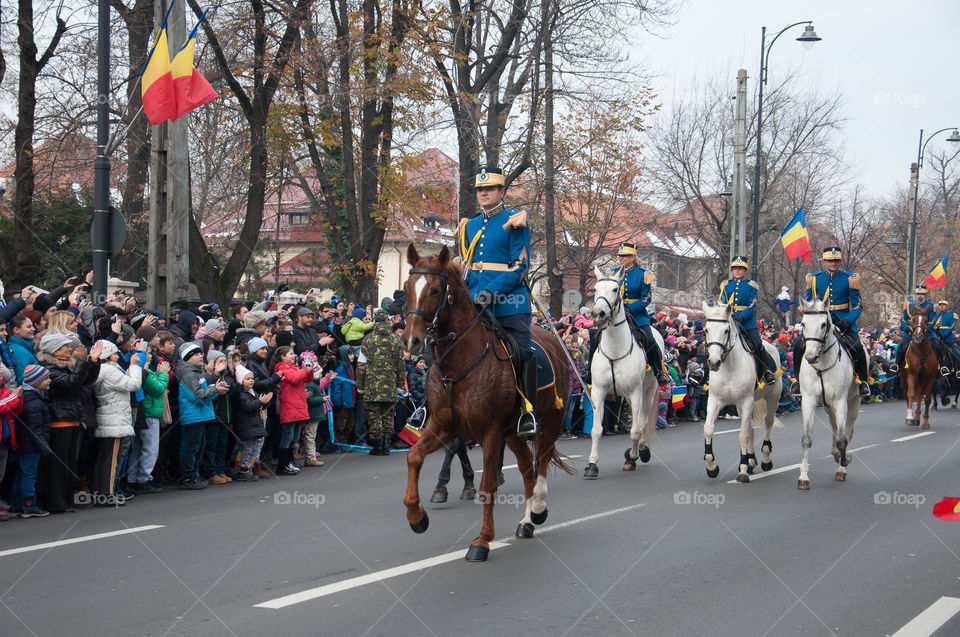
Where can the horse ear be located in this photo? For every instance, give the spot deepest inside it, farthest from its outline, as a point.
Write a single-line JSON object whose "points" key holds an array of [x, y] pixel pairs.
{"points": [[412, 257], [705, 306], [444, 256], [597, 273], [728, 310], [806, 304]]}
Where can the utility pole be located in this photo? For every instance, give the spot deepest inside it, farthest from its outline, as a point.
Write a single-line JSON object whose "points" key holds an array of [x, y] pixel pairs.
{"points": [[101, 182], [912, 245], [739, 243], [168, 259]]}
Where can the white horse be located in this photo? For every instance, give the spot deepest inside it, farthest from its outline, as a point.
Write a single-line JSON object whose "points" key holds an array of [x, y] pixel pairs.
{"points": [[826, 372], [733, 381], [619, 366]]}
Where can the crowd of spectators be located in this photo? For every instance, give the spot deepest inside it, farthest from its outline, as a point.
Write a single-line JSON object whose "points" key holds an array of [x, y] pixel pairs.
{"points": [[101, 403]]}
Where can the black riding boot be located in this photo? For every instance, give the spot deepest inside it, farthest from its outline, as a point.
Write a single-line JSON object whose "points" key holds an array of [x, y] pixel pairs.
{"points": [[942, 358], [860, 367], [655, 360], [769, 368], [901, 356], [527, 425]]}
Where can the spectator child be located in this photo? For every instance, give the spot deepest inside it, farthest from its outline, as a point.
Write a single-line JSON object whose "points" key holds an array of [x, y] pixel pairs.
{"points": [[196, 412], [292, 407], [344, 395], [11, 403], [249, 422], [33, 440], [318, 406]]}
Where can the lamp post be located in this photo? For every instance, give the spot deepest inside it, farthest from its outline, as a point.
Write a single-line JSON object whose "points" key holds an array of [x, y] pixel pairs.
{"points": [[915, 181], [809, 37]]}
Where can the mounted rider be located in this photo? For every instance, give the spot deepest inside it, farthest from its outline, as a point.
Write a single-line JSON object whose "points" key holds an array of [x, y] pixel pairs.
{"points": [[945, 322], [910, 308], [636, 290], [840, 292], [494, 248], [741, 293]]}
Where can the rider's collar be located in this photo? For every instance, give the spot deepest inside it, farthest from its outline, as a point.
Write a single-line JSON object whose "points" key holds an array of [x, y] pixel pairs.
{"points": [[492, 212]]}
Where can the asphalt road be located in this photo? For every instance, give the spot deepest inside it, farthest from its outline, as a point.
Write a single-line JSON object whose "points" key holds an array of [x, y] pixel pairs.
{"points": [[660, 551]]}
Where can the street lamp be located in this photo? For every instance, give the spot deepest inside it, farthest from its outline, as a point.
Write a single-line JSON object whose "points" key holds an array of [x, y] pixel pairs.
{"points": [[912, 254], [808, 38]]}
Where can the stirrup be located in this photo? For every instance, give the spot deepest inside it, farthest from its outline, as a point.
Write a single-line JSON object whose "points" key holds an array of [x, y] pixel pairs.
{"points": [[526, 425], [864, 389], [944, 371], [768, 376], [896, 368]]}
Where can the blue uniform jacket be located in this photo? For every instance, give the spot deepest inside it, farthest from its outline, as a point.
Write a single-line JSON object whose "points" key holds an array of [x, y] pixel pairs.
{"points": [[742, 295], [910, 308], [636, 289], [945, 323], [840, 291], [495, 255]]}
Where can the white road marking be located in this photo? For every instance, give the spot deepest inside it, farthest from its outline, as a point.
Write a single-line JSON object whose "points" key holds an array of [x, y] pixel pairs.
{"points": [[75, 540], [410, 567], [930, 620], [728, 431], [772, 472], [919, 435], [855, 449], [513, 466]]}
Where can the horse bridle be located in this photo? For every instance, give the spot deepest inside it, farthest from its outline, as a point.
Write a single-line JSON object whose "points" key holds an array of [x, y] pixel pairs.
{"points": [[725, 348], [822, 341], [445, 299], [618, 303]]}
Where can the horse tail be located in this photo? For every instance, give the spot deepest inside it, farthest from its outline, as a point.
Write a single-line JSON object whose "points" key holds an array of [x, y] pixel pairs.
{"points": [[557, 460]]}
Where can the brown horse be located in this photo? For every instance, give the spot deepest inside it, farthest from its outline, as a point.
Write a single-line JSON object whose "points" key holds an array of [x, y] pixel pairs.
{"points": [[921, 370], [471, 392]]}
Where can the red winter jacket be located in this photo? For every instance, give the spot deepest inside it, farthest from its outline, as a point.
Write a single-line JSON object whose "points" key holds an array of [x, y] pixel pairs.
{"points": [[10, 406], [293, 396]]}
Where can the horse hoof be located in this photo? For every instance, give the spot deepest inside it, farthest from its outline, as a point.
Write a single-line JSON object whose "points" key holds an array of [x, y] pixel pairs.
{"points": [[439, 496], [713, 473], [803, 485], [743, 478], [912, 423], [766, 466], [626, 455], [840, 476], [421, 526], [630, 465], [926, 425], [524, 530], [645, 455], [468, 493], [591, 471], [750, 469], [538, 518], [477, 553]]}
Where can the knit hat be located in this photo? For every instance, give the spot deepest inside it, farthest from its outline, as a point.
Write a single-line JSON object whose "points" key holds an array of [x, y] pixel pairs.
{"points": [[254, 318], [240, 372], [671, 339], [358, 312], [147, 333], [188, 349], [109, 349], [50, 343], [584, 310], [34, 374], [255, 344], [214, 354], [284, 338], [126, 333], [212, 326]]}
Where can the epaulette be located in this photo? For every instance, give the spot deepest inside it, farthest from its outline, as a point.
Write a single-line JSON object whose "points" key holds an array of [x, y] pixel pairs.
{"points": [[810, 278], [906, 306], [854, 281], [649, 277], [518, 220], [754, 284]]}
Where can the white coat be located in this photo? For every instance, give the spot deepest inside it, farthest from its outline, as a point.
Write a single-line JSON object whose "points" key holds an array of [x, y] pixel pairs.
{"points": [[113, 388]]}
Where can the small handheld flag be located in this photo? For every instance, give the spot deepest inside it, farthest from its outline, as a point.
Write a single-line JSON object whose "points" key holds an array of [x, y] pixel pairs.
{"points": [[795, 240], [679, 393], [947, 509], [191, 88], [938, 275]]}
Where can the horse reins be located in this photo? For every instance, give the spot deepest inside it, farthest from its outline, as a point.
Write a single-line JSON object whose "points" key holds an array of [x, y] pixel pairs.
{"points": [[822, 342], [725, 348]]}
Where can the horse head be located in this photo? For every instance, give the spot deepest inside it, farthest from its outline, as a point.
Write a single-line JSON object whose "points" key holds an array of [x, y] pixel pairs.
{"points": [[432, 287], [718, 333], [606, 298], [816, 325], [918, 325]]}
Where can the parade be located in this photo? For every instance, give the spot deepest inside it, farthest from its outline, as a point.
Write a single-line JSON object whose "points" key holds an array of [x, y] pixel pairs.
{"points": [[391, 319]]}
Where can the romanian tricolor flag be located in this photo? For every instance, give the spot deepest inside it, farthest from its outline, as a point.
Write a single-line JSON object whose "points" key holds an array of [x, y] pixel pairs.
{"points": [[156, 80], [947, 509], [938, 275], [191, 88], [795, 240], [679, 393]]}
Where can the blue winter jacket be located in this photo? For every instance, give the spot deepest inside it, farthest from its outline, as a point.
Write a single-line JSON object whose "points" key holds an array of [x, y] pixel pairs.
{"points": [[196, 397]]}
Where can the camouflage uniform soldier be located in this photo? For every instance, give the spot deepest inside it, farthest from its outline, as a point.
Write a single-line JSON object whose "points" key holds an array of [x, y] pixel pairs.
{"points": [[379, 378]]}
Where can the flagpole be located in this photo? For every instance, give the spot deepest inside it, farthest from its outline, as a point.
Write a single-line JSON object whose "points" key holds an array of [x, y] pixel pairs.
{"points": [[768, 253], [100, 239]]}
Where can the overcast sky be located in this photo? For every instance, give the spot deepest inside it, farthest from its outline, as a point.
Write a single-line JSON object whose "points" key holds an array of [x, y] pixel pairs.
{"points": [[895, 64]]}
